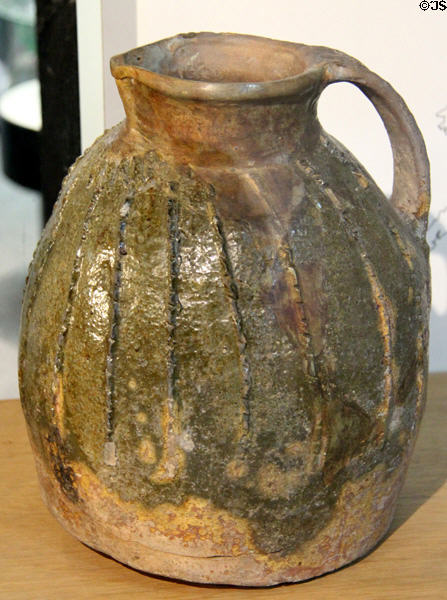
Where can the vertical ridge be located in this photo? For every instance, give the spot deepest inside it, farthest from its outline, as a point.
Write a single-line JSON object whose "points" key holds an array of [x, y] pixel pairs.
{"points": [[420, 379], [114, 328], [174, 235], [172, 457], [319, 435], [384, 309], [385, 316], [58, 396], [302, 333], [237, 315], [47, 252]]}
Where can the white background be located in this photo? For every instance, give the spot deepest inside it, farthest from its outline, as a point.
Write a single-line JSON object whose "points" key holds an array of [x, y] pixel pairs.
{"points": [[395, 38]]}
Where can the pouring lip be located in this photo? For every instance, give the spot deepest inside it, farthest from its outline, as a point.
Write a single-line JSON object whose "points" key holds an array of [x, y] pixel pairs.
{"points": [[310, 76]]}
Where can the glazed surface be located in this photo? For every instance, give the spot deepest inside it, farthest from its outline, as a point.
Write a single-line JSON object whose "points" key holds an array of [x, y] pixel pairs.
{"points": [[259, 350], [224, 333]]}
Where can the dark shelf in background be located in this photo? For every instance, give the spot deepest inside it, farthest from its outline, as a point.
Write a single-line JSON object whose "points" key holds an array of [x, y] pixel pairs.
{"points": [[58, 74]]}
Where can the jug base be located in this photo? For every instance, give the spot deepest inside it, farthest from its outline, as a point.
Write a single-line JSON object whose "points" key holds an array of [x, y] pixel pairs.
{"points": [[118, 529]]}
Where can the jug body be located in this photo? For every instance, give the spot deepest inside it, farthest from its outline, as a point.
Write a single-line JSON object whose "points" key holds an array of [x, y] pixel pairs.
{"points": [[224, 333]]}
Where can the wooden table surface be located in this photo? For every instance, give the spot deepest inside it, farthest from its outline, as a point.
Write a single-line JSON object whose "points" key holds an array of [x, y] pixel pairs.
{"points": [[40, 561]]}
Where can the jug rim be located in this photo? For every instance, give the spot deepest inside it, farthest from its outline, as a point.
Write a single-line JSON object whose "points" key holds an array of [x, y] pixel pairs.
{"points": [[160, 75]]}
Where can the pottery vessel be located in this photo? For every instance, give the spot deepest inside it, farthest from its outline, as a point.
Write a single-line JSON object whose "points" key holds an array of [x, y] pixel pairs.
{"points": [[224, 333]]}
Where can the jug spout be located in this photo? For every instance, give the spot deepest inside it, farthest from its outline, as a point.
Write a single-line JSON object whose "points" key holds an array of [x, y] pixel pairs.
{"points": [[208, 98]]}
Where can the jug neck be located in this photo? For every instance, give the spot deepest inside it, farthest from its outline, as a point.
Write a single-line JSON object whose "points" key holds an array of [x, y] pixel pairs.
{"points": [[221, 99]]}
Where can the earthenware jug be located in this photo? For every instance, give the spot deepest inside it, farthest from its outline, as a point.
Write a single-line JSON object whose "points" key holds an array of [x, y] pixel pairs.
{"points": [[224, 331]]}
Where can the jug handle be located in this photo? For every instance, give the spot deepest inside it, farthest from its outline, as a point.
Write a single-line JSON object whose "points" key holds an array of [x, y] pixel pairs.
{"points": [[411, 179]]}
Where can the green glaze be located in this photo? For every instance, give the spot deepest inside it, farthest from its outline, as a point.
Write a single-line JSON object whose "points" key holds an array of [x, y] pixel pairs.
{"points": [[251, 334]]}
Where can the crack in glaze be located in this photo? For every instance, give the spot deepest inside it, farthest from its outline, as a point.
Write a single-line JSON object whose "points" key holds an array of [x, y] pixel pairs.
{"points": [[234, 296]]}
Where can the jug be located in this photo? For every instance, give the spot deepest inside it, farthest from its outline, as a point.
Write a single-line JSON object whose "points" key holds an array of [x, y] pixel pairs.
{"points": [[223, 350]]}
